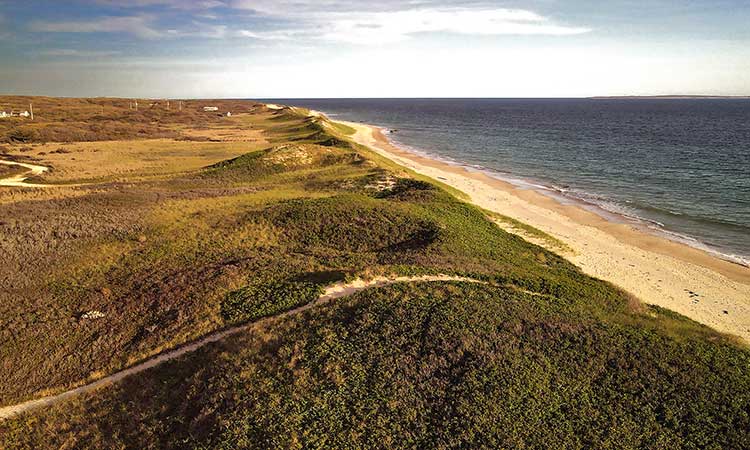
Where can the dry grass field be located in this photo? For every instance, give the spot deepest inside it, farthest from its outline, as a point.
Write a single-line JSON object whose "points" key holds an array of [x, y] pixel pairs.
{"points": [[162, 226], [101, 236], [121, 161]]}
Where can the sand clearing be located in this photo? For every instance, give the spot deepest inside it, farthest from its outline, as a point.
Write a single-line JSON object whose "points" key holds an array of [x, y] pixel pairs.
{"points": [[20, 179], [657, 271]]}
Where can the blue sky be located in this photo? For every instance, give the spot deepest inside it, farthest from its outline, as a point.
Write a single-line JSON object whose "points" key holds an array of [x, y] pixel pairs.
{"points": [[388, 48]]}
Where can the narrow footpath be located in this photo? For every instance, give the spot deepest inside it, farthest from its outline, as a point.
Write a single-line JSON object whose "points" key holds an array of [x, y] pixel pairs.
{"points": [[334, 291]]}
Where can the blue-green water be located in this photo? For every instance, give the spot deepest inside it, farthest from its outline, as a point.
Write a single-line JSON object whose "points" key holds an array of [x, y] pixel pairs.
{"points": [[678, 167]]}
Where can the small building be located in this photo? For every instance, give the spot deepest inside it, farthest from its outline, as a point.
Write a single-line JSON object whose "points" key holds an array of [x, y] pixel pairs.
{"points": [[24, 114], [229, 114], [4, 114], [210, 108]]}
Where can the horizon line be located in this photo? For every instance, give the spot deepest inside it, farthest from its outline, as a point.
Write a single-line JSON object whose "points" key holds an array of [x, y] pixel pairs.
{"points": [[593, 97]]}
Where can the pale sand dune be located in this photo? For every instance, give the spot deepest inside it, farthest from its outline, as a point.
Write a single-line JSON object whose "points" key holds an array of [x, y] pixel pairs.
{"points": [[654, 269]]}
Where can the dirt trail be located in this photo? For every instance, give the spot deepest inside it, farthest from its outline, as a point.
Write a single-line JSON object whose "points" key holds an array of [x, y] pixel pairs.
{"points": [[334, 291], [20, 179]]}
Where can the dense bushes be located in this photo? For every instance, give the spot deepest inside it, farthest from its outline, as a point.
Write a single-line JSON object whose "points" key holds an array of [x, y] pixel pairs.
{"points": [[350, 223], [22, 135], [428, 365], [262, 299], [407, 189]]}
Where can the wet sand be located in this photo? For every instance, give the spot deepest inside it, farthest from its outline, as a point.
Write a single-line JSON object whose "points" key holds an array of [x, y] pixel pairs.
{"points": [[656, 270]]}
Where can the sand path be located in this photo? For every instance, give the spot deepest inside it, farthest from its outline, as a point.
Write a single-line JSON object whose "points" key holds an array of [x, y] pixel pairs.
{"points": [[20, 179], [656, 270], [334, 291]]}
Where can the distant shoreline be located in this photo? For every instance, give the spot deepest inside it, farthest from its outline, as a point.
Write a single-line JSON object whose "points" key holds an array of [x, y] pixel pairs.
{"points": [[654, 269], [670, 97]]}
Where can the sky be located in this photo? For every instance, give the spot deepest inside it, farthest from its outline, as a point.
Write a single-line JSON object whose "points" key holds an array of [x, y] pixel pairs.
{"points": [[386, 48]]}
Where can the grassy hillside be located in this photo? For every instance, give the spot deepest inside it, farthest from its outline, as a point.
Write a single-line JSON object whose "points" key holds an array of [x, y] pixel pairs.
{"points": [[541, 355], [100, 119], [426, 366]]}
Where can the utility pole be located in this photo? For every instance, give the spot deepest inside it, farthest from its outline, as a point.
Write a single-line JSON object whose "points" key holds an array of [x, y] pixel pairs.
{"points": [[136, 105], [31, 109], [180, 105], [167, 105]]}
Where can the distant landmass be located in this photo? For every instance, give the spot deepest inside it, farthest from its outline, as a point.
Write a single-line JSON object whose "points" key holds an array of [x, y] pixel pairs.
{"points": [[671, 97]]}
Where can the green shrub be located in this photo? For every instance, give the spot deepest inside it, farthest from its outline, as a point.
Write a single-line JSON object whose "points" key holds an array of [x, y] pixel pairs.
{"points": [[407, 189], [264, 299], [21, 135], [351, 223]]}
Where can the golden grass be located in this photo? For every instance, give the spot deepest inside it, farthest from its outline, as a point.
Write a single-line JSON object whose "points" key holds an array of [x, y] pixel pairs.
{"points": [[107, 161]]}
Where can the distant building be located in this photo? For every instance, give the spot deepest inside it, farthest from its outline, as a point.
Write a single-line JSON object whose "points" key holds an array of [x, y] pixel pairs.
{"points": [[12, 113], [210, 108], [229, 114]]}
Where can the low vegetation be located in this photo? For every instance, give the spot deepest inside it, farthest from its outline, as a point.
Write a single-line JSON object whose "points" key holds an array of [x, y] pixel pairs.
{"points": [[9, 170], [247, 226], [428, 365], [106, 119], [259, 299]]}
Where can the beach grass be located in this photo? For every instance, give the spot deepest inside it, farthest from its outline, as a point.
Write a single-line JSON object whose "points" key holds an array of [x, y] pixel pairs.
{"points": [[528, 232], [233, 231]]}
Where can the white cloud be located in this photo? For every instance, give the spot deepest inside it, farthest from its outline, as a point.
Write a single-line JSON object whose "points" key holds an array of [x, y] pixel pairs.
{"points": [[300, 7], [68, 52], [200, 30], [210, 31], [281, 35], [391, 21], [394, 26], [177, 4], [139, 26], [384, 27], [351, 21]]}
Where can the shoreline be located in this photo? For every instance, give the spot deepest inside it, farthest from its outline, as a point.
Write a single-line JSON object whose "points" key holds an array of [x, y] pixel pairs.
{"points": [[657, 270], [561, 196]]}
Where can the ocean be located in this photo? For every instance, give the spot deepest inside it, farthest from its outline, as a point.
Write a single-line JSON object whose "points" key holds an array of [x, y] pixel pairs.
{"points": [[680, 168]]}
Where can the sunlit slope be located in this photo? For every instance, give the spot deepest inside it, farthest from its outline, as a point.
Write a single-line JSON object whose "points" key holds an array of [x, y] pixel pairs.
{"points": [[541, 355]]}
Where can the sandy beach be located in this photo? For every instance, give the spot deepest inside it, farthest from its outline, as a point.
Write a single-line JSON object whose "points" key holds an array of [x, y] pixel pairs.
{"points": [[656, 270]]}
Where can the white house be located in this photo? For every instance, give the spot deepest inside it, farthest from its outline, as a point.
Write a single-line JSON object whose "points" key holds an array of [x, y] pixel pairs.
{"points": [[12, 113], [210, 108]]}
